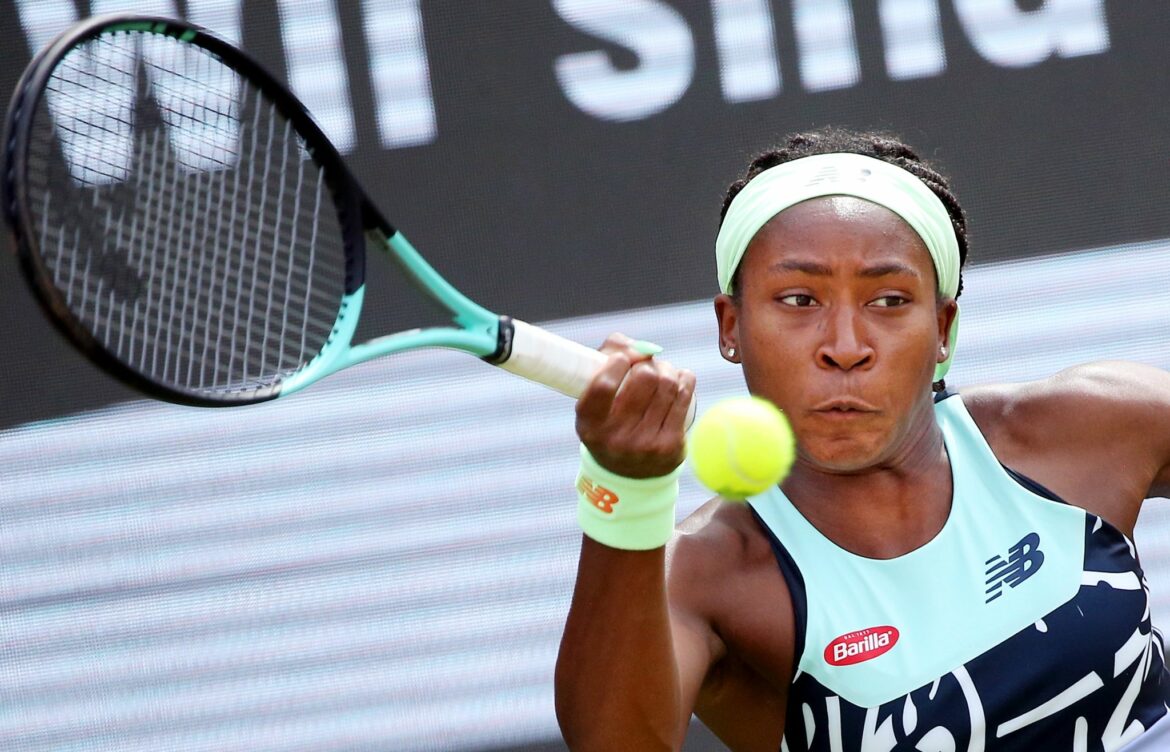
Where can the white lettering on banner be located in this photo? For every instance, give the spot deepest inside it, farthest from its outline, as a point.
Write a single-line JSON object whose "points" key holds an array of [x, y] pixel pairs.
{"points": [[97, 134], [1005, 35], [43, 19], [746, 39], [221, 17], [912, 34], [828, 49], [653, 31], [145, 7], [399, 71], [316, 66]]}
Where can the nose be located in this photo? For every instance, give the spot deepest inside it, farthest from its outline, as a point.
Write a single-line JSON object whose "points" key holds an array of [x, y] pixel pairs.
{"points": [[845, 345]]}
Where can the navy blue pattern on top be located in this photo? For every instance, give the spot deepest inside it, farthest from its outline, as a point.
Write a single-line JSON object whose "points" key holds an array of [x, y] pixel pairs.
{"points": [[1088, 677]]}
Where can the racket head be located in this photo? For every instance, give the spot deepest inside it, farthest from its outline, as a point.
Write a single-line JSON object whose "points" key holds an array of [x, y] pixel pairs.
{"points": [[143, 246]]}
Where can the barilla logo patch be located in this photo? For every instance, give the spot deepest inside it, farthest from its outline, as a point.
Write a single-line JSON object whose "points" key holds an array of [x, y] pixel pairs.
{"points": [[597, 494], [860, 646]]}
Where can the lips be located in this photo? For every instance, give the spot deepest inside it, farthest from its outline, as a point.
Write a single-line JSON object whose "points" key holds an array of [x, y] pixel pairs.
{"points": [[844, 405]]}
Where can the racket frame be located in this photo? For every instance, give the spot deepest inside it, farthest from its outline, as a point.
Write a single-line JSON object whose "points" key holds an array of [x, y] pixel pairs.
{"points": [[478, 330], [513, 345]]}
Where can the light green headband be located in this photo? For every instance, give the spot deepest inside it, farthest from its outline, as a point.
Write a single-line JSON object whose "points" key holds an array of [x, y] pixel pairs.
{"points": [[869, 178]]}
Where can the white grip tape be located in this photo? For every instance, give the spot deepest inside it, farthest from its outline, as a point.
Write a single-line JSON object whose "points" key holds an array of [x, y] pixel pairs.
{"points": [[556, 362]]}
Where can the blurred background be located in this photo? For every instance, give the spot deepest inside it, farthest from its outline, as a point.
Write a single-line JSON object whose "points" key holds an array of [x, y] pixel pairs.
{"points": [[384, 562]]}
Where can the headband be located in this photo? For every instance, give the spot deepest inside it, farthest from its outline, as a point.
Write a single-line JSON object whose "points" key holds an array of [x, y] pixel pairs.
{"points": [[843, 174]]}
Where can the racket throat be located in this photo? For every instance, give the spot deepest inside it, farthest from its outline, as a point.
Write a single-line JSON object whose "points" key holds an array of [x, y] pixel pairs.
{"points": [[505, 333]]}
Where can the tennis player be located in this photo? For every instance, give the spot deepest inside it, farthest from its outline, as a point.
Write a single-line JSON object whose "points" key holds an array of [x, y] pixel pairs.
{"points": [[940, 571]]}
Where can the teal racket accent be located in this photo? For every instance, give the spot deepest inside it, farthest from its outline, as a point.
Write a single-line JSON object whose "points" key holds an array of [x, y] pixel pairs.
{"points": [[476, 330]]}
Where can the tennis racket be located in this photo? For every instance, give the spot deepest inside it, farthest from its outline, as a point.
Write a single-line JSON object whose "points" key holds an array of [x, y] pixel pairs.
{"points": [[188, 226]]}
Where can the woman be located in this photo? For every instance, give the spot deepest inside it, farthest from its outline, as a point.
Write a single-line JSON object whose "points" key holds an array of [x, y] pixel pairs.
{"points": [[938, 572]]}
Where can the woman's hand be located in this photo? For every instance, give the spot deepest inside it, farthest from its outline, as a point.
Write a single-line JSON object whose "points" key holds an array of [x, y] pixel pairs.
{"points": [[632, 415]]}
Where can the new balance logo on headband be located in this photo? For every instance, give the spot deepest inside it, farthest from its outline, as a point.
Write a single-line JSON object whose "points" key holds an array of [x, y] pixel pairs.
{"points": [[1024, 559]]}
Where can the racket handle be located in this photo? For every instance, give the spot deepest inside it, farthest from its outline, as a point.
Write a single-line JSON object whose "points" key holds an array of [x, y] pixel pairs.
{"points": [[549, 359]]}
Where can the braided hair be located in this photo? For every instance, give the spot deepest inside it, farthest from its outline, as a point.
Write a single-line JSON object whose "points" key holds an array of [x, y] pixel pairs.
{"points": [[883, 146]]}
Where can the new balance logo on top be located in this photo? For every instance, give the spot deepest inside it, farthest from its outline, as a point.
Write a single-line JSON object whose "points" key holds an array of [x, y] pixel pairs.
{"points": [[1023, 560]]}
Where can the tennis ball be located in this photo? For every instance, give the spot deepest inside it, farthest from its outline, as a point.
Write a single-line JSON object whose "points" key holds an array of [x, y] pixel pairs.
{"points": [[741, 447]]}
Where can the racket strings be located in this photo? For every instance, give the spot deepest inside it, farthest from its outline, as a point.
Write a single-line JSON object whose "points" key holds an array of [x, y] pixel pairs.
{"points": [[179, 217]]}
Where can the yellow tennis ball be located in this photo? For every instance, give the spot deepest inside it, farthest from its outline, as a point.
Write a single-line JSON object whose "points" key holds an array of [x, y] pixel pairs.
{"points": [[741, 447]]}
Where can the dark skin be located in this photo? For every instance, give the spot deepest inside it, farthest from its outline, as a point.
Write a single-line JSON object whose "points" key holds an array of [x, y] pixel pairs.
{"points": [[838, 322]]}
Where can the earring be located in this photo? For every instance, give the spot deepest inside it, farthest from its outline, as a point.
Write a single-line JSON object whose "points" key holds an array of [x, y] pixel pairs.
{"points": [[731, 352], [942, 351]]}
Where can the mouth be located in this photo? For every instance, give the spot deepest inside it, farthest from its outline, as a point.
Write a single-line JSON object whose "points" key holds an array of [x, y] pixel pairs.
{"points": [[844, 407]]}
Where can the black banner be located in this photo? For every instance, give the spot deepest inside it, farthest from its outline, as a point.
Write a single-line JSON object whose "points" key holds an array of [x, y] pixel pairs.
{"points": [[566, 157]]}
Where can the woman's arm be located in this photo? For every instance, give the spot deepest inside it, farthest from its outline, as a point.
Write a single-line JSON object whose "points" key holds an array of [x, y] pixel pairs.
{"points": [[630, 665]]}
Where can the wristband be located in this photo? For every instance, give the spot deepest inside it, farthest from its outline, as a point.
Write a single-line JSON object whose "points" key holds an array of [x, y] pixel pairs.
{"points": [[636, 514]]}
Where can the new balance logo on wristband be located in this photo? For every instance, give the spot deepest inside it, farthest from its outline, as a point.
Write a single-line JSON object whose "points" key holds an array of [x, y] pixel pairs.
{"points": [[1024, 560], [597, 495]]}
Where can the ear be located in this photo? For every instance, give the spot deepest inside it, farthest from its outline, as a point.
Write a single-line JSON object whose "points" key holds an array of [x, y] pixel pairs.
{"points": [[727, 314], [947, 311]]}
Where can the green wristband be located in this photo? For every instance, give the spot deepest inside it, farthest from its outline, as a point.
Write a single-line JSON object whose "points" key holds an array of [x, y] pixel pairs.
{"points": [[636, 514]]}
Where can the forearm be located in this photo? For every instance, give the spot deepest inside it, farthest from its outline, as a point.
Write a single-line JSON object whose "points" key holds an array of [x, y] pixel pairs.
{"points": [[617, 681]]}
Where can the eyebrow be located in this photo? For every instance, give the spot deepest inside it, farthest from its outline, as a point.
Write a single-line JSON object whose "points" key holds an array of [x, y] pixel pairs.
{"points": [[818, 269]]}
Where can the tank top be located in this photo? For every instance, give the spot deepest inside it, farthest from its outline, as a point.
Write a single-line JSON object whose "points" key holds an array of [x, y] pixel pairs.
{"points": [[1023, 625]]}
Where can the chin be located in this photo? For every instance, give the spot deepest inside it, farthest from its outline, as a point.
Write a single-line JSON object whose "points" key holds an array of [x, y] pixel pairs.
{"points": [[843, 456]]}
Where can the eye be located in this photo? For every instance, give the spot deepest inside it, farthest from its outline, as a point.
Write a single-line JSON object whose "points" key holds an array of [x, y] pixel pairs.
{"points": [[890, 301], [798, 300]]}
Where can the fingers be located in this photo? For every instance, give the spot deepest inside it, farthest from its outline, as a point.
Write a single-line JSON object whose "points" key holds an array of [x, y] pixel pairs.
{"points": [[595, 403], [597, 399], [632, 415], [650, 387], [618, 342], [676, 418]]}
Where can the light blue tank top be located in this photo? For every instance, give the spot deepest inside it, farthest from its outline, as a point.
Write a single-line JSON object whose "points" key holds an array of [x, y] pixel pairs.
{"points": [[979, 639]]}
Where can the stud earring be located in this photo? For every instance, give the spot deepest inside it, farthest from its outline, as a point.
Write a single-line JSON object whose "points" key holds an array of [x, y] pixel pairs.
{"points": [[731, 352]]}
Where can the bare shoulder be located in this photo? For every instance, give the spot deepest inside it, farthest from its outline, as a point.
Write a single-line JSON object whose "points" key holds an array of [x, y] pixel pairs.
{"points": [[1090, 402], [1098, 434]]}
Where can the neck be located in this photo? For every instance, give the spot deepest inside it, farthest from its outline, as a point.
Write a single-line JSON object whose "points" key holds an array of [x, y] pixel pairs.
{"points": [[885, 510]]}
